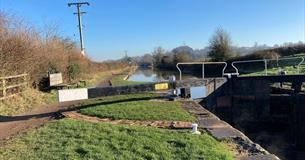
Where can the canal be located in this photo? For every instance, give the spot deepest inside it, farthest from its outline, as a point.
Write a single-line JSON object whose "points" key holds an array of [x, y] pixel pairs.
{"points": [[150, 75]]}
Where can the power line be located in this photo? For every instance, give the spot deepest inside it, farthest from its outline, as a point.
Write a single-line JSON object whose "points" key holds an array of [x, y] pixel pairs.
{"points": [[80, 27]]}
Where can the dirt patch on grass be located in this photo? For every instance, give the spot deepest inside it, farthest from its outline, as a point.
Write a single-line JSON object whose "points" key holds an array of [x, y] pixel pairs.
{"points": [[157, 124]]}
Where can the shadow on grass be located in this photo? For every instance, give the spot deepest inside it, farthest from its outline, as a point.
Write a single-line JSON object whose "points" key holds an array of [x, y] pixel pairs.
{"points": [[28, 117]]}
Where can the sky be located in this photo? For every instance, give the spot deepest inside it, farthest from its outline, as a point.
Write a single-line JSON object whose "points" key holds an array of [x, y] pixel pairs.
{"points": [[139, 26]]}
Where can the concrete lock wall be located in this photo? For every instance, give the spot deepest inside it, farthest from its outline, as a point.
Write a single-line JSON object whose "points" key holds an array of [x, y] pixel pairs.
{"points": [[244, 102], [129, 89], [240, 101], [216, 98], [214, 84], [119, 90]]}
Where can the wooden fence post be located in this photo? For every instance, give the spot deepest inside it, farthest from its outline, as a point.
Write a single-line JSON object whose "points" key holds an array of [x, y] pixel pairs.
{"points": [[21, 83]]}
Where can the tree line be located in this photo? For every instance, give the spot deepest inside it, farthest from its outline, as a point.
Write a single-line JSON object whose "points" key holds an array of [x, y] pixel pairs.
{"points": [[220, 48]]}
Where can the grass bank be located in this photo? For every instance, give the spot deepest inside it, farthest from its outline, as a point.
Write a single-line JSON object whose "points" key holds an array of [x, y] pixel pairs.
{"points": [[71, 139], [118, 80], [25, 101], [94, 79]]}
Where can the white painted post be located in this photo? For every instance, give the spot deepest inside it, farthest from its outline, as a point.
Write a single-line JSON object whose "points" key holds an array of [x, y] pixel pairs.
{"points": [[195, 129], [229, 75]]}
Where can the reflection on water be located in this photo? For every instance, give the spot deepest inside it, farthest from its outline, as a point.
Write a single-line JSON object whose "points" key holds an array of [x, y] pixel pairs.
{"points": [[145, 75], [149, 75]]}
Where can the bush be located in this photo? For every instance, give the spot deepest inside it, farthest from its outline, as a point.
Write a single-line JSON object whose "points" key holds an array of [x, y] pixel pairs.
{"points": [[73, 71], [52, 69]]}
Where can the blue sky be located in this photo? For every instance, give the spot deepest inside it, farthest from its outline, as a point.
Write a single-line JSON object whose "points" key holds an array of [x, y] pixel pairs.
{"points": [[112, 26]]}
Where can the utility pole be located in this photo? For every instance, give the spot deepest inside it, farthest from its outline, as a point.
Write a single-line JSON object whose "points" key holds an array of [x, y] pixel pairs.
{"points": [[125, 53], [80, 27]]}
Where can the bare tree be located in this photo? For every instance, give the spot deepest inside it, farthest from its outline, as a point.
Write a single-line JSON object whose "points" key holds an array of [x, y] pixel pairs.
{"points": [[220, 46]]}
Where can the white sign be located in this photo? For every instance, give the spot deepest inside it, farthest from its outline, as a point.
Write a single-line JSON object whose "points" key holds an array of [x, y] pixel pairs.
{"points": [[55, 79], [72, 94]]}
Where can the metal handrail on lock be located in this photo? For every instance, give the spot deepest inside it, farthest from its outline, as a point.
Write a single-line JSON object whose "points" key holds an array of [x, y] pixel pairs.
{"points": [[265, 63], [203, 64]]}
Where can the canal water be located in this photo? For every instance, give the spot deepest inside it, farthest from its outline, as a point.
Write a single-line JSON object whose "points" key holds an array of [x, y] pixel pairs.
{"points": [[150, 75]]}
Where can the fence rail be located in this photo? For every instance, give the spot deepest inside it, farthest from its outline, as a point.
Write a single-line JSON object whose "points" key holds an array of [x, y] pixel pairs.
{"points": [[12, 85]]}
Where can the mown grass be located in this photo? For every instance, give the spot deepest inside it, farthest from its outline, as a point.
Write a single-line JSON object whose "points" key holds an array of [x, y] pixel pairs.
{"points": [[134, 107], [71, 139], [140, 110], [115, 99]]}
